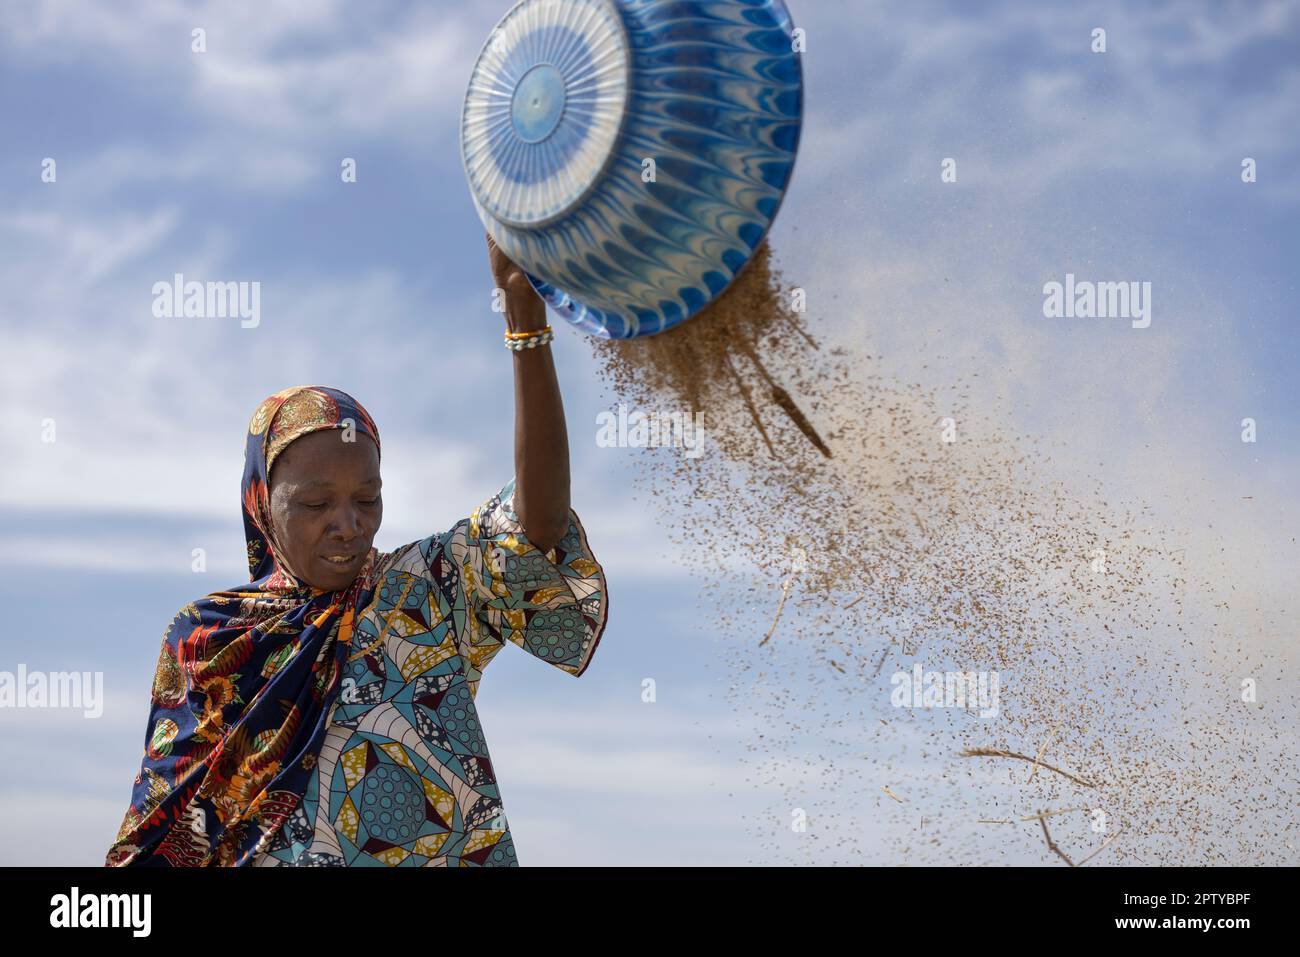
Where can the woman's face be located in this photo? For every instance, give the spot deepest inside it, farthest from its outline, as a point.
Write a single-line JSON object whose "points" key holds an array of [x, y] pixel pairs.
{"points": [[325, 505]]}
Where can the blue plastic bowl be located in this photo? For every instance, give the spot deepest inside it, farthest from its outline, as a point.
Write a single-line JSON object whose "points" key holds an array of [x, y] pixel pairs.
{"points": [[630, 155]]}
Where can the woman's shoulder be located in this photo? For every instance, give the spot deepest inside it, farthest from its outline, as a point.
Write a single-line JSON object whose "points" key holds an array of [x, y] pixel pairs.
{"points": [[186, 618], [240, 606]]}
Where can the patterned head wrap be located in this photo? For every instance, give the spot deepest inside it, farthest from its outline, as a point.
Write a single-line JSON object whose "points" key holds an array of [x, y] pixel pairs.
{"points": [[279, 420], [245, 679]]}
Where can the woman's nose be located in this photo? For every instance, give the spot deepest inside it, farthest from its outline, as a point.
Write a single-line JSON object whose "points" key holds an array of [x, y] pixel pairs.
{"points": [[346, 525]]}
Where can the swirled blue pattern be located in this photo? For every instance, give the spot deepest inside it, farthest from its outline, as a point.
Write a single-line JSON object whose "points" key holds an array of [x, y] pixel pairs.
{"points": [[630, 155]]}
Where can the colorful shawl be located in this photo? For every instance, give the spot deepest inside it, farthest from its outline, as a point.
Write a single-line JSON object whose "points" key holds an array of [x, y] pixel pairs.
{"points": [[245, 678]]}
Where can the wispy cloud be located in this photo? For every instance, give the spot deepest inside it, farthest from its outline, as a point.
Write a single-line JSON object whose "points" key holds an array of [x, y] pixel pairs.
{"points": [[275, 85]]}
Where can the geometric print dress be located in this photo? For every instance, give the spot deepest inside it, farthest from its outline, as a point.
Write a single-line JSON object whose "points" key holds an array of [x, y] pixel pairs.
{"points": [[404, 778]]}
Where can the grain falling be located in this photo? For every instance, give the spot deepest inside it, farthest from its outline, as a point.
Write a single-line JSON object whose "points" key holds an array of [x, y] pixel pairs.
{"points": [[840, 536]]}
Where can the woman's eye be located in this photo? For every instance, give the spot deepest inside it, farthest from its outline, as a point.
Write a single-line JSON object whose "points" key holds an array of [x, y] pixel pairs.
{"points": [[370, 502], [315, 505]]}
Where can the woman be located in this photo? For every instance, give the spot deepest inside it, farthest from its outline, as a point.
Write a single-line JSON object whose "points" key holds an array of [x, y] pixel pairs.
{"points": [[323, 714]]}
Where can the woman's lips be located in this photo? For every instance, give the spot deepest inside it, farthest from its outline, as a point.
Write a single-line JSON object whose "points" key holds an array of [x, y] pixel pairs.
{"points": [[342, 561]]}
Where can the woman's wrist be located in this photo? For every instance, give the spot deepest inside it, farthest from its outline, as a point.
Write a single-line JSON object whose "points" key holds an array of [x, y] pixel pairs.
{"points": [[525, 313], [526, 327]]}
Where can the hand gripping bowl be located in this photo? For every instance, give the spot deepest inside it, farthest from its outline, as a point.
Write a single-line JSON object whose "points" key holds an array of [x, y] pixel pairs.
{"points": [[630, 155]]}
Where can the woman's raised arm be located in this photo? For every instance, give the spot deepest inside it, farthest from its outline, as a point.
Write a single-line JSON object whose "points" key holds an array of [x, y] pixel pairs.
{"points": [[541, 440]]}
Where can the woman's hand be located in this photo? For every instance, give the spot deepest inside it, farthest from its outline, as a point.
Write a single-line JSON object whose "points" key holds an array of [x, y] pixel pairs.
{"points": [[525, 309]]}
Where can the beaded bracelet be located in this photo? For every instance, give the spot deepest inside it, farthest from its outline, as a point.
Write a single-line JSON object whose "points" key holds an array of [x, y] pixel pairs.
{"points": [[529, 340], [520, 344]]}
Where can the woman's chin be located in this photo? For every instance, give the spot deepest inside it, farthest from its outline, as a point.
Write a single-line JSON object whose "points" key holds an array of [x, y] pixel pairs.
{"points": [[331, 580]]}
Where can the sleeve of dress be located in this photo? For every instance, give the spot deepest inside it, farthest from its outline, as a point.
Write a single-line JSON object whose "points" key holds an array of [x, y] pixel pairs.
{"points": [[553, 605]]}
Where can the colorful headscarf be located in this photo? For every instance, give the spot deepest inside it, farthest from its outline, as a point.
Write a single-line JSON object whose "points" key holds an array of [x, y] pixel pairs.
{"points": [[245, 678]]}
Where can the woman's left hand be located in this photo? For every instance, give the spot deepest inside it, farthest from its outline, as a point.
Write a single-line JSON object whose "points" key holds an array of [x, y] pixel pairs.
{"points": [[525, 309]]}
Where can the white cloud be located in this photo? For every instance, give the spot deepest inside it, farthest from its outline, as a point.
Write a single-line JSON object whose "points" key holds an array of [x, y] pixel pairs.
{"points": [[280, 91], [890, 94]]}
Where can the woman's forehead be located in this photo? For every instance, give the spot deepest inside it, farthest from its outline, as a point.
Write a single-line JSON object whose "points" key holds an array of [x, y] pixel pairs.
{"points": [[316, 454]]}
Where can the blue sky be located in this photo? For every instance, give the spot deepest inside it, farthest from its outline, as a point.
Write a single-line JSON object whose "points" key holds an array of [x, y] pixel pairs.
{"points": [[225, 165]]}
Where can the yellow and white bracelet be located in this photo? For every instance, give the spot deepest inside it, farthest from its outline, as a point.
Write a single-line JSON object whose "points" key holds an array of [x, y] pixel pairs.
{"points": [[529, 340]]}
